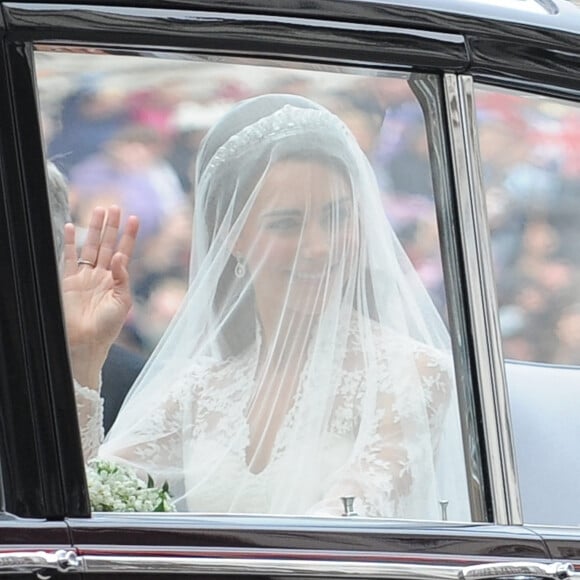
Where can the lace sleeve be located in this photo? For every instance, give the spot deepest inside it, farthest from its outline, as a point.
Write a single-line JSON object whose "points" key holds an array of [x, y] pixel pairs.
{"points": [[90, 415], [435, 372], [149, 438], [391, 470]]}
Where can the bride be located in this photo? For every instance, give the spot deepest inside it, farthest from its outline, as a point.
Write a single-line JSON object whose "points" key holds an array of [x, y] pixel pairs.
{"points": [[307, 362]]}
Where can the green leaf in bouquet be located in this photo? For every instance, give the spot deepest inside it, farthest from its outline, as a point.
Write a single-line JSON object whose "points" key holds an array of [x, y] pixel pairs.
{"points": [[161, 507]]}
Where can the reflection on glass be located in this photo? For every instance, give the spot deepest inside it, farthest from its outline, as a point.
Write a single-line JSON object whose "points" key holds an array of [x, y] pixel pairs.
{"points": [[305, 361], [529, 147], [531, 172]]}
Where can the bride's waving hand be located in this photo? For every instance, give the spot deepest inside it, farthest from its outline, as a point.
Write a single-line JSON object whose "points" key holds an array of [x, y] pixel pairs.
{"points": [[96, 290]]}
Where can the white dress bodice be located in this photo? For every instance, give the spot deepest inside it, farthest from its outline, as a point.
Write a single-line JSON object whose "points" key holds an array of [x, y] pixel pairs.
{"points": [[378, 443]]}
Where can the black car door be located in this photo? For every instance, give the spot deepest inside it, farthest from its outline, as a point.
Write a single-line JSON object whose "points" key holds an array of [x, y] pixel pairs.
{"points": [[529, 121], [34, 534]]}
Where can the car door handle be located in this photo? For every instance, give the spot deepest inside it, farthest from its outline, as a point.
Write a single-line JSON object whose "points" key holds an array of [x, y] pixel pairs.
{"points": [[523, 570], [43, 564]]}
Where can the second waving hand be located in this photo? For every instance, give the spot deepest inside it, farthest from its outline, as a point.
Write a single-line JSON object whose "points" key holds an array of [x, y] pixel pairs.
{"points": [[96, 290]]}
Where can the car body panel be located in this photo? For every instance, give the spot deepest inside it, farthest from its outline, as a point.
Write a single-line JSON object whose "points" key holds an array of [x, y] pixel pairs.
{"points": [[502, 45], [301, 546], [46, 468], [240, 34], [371, 538]]}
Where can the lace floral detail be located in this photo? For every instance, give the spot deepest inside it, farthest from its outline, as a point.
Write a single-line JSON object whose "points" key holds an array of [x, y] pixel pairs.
{"points": [[374, 444], [90, 406], [155, 445], [378, 462], [436, 380]]}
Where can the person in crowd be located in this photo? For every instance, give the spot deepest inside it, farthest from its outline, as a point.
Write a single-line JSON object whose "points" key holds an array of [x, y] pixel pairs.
{"points": [[306, 363], [121, 366], [132, 172], [567, 331], [89, 118], [155, 314]]}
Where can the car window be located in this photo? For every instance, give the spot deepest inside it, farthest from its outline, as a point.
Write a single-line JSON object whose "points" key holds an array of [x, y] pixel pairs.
{"points": [[287, 338], [531, 175]]}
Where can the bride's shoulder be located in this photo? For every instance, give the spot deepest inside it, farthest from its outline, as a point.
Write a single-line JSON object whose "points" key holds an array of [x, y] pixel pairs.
{"points": [[391, 345]]}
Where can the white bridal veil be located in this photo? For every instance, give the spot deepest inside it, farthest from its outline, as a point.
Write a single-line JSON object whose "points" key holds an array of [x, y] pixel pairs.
{"points": [[307, 362]]}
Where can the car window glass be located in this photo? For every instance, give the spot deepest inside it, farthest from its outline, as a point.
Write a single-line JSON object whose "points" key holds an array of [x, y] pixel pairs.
{"points": [[531, 176], [308, 369]]}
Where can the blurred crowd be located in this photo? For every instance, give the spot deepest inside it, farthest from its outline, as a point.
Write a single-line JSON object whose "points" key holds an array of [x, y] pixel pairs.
{"points": [[529, 148], [137, 147]]}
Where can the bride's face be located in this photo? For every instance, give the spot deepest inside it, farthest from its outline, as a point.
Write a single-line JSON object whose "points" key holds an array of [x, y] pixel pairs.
{"points": [[300, 237]]}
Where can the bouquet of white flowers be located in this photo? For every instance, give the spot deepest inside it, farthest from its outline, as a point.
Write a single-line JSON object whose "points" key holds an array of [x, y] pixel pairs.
{"points": [[116, 488]]}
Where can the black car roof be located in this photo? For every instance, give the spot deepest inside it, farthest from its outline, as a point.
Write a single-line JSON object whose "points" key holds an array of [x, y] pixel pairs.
{"points": [[527, 41], [563, 15]]}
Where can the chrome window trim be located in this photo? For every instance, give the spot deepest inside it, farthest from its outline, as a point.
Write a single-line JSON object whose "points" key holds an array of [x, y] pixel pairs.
{"points": [[429, 91], [267, 61], [324, 568], [265, 567], [240, 34], [45, 564], [481, 300]]}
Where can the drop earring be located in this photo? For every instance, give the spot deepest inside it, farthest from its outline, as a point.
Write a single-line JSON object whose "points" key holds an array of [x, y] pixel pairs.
{"points": [[240, 269]]}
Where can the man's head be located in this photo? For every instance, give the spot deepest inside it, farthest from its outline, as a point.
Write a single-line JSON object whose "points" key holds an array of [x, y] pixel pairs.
{"points": [[59, 209]]}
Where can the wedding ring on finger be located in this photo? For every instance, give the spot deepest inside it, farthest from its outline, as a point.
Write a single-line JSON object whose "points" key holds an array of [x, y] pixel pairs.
{"points": [[81, 261]]}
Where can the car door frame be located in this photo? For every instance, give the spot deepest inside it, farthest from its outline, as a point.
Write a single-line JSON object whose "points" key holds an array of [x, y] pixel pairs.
{"points": [[34, 534], [549, 67], [338, 43]]}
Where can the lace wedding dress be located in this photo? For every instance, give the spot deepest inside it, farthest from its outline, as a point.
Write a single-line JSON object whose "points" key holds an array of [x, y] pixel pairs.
{"points": [[307, 362], [210, 459]]}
